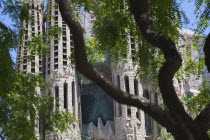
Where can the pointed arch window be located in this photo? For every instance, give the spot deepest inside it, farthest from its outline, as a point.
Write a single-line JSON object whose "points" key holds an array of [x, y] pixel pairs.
{"points": [[65, 86]]}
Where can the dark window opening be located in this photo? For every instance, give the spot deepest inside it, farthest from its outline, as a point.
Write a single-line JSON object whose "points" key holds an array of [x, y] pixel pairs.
{"points": [[65, 63], [127, 84], [138, 114], [65, 95], [57, 96], [56, 42], [146, 94], [118, 81], [73, 97], [119, 105], [148, 119], [120, 110], [156, 98], [136, 87], [48, 71], [24, 67], [64, 57], [55, 48], [24, 60], [56, 66], [129, 111], [56, 54], [32, 70]]}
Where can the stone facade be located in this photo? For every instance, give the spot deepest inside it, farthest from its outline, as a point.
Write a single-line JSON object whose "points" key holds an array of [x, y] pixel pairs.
{"points": [[108, 120], [56, 68], [31, 28], [61, 72]]}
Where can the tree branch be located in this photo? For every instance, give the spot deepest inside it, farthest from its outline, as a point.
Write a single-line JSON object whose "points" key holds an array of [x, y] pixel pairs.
{"points": [[203, 119], [86, 69], [173, 61], [140, 10], [206, 50]]}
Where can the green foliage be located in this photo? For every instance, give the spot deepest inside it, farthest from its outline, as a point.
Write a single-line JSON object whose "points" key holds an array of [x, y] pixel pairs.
{"points": [[196, 104], [94, 56], [113, 30], [21, 103], [115, 26], [16, 9], [203, 14]]}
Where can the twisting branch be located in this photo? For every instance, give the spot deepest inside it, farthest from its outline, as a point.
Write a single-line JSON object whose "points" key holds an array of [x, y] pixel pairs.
{"points": [[173, 61], [87, 70], [203, 119], [140, 10], [207, 52]]}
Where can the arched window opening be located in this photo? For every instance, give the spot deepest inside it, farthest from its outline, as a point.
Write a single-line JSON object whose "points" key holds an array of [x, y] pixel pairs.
{"points": [[73, 97], [136, 87], [65, 86], [127, 84], [57, 96]]}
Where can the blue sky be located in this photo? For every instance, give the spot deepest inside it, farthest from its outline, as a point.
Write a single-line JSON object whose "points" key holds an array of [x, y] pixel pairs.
{"points": [[187, 7]]}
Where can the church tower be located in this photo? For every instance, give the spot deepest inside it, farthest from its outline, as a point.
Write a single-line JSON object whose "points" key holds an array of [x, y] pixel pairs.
{"points": [[132, 123], [61, 73], [129, 121], [30, 28]]}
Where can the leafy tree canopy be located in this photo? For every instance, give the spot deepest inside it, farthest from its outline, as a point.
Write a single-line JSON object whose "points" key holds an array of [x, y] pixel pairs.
{"points": [[114, 26]]}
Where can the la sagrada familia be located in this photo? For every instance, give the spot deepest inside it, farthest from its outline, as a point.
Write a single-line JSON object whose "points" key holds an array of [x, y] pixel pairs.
{"points": [[99, 116]]}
